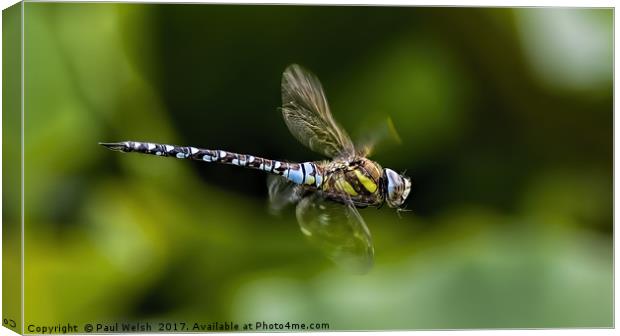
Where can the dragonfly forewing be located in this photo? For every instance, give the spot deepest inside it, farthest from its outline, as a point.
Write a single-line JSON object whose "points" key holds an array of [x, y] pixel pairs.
{"points": [[308, 117]]}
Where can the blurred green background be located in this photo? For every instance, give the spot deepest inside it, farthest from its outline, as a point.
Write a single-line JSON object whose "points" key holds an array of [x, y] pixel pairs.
{"points": [[505, 117]]}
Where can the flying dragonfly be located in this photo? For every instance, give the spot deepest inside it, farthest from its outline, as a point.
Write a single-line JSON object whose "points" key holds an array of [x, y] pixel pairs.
{"points": [[327, 193]]}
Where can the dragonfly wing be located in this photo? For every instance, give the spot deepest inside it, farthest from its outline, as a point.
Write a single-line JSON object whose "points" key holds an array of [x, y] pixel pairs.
{"points": [[307, 115], [282, 192], [339, 230], [385, 131]]}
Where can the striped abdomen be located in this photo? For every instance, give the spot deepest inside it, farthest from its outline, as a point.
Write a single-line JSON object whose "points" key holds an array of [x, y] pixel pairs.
{"points": [[306, 173]]}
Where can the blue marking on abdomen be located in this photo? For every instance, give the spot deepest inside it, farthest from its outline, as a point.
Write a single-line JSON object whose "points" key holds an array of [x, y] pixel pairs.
{"points": [[318, 180], [309, 167], [295, 176]]}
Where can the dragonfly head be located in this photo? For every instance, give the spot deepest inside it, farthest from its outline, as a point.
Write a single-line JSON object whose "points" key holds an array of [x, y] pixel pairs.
{"points": [[397, 188]]}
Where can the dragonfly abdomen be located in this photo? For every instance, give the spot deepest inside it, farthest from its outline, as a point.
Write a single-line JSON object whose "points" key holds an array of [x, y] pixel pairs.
{"points": [[305, 173]]}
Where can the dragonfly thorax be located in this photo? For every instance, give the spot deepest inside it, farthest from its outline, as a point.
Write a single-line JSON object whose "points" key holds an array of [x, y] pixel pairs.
{"points": [[358, 181]]}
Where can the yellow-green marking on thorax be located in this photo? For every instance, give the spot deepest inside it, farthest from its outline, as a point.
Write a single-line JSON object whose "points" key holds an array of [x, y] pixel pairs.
{"points": [[347, 187], [369, 184]]}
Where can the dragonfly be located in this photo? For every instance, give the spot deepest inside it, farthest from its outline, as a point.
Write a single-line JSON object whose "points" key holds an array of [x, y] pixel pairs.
{"points": [[327, 193]]}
